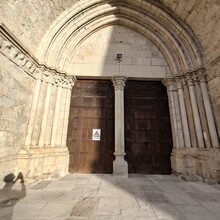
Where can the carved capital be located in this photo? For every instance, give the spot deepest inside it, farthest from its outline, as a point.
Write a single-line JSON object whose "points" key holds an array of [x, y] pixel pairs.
{"points": [[119, 82], [49, 76], [169, 83], [59, 80], [39, 73], [201, 75], [179, 82], [189, 79], [195, 79], [70, 81]]}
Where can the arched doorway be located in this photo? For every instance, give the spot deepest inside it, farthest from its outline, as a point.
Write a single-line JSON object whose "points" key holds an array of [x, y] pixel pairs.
{"points": [[148, 139]]}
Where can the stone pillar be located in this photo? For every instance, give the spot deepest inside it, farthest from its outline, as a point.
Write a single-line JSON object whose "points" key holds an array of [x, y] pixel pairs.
{"points": [[61, 117], [56, 114], [208, 109], [120, 166], [195, 110], [177, 134], [34, 107], [202, 114], [50, 82], [186, 134], [67, 110], [178, 118], [189, 112]]}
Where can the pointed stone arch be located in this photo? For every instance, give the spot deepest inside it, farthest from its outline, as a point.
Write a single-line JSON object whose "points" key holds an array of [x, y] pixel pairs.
{"points": [[174, 38]]}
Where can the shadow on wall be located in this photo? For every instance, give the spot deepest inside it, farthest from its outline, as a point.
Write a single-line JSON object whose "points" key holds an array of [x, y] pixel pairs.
{"points": [[10, 194]]}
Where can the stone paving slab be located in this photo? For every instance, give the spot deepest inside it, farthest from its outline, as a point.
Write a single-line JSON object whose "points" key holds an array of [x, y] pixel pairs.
{"points": [[104, 197]]}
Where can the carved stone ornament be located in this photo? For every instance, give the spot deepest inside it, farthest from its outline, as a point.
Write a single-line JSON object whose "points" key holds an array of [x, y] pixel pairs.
{"points": [[169, 83], [39, 73], [195, 79], [189, 79], [70, 81], [119, 82], [22, 58], [179, 82], [201, 75]]}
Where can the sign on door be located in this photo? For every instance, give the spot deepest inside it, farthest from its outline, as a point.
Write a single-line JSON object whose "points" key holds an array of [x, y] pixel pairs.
{"points": [[96, 134]]}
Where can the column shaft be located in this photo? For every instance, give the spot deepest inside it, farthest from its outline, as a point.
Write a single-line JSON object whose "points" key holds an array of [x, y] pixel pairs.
{"points": [[178, 119], [209, 115], [66, 117], [119, 122], [173, 109], [120, 166], [61, 117], [196, 116], [56, 116], [189, 112], [202, 115], [33, 111], [45, 115], [184, 117]]}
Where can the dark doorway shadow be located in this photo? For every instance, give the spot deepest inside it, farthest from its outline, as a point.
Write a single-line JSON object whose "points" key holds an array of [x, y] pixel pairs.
{"points": [[10, 194]]}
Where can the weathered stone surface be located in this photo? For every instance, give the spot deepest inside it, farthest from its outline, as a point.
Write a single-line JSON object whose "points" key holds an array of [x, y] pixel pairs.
{"points": [[202, 16], [140, 57], [89, 47], [214, 90], [183, 200], [15, 100], [196, 164], [31, 22]]}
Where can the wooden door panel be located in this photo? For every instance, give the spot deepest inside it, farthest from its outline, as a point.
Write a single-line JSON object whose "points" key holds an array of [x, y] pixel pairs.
{"points": [[148, 140], [92, 107]]}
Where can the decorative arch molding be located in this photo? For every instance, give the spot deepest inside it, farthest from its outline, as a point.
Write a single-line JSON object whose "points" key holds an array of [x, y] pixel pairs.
{"points": [[174, 38]]}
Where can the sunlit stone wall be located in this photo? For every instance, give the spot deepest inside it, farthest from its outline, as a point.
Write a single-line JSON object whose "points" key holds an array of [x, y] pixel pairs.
{"points": [[97, 55], [16, 91]]}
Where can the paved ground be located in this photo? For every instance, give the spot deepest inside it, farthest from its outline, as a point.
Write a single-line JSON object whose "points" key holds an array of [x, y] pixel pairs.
{"points": [[103, 197]]}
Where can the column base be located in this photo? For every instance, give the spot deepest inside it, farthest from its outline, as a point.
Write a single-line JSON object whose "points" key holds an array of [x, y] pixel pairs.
{"points": [[196, 164], [120, 167], [43, 162]]}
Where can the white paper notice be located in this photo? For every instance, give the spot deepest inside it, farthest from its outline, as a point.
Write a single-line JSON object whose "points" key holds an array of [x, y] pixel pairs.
{"points": [[96, 134]]}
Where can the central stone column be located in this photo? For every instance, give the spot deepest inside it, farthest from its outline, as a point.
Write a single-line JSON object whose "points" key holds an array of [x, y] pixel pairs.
{"points": [[120, 166]]}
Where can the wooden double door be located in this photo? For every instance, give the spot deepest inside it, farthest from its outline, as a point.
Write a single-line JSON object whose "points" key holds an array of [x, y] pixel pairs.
{"points": [[148, 141]]}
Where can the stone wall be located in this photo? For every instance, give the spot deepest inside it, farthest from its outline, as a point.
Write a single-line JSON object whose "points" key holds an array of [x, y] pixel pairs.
{"points": [[34, 107], [203, 18], [15, 100], [214, 90], [30, 19], [96, 56]]}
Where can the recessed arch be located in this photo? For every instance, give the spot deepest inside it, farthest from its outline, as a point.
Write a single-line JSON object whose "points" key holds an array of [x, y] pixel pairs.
{"points": [[173, 38], [171, 60]]}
